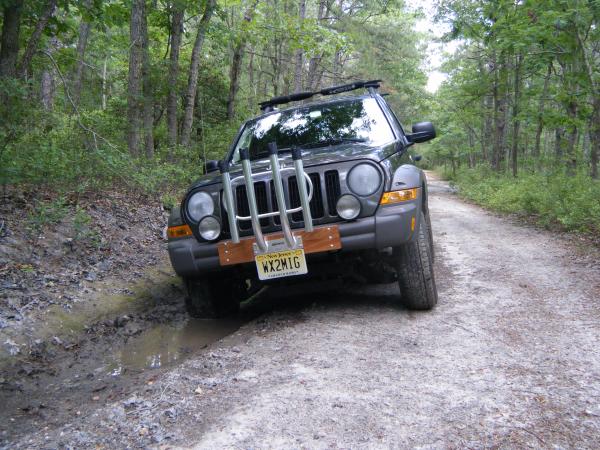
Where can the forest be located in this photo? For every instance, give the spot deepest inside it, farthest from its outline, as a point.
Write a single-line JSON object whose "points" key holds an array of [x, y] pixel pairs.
{"points": [[136, 94], [519, 115]]}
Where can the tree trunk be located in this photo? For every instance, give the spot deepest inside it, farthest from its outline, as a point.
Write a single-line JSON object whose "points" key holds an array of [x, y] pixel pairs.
{"points": [[276, 64], [84, 32], [540, 124], [572, 140], [595, 138], [313, 78], [499, 113], [253, 86], [148, 94], [298, 65], [234, 78], [134, 91], [299, 57], [190, 94], [516, 121], [337, 68], [104, 84], [559, 133], [25, 65], [176, 30], [236, 63], [286, 77], [47, 89], [9, 50], [486, 140]]}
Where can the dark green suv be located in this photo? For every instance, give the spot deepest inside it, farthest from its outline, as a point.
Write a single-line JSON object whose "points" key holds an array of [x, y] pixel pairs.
{"points": [[318, 191]]}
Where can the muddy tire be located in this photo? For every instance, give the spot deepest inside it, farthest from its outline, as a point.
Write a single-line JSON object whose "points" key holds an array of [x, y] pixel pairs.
{"points": [[209, 299], [430, 236], [414, 262]]}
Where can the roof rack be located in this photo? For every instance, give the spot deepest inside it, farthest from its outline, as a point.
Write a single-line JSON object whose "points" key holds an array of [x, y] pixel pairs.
{"points": [[269, 105]]}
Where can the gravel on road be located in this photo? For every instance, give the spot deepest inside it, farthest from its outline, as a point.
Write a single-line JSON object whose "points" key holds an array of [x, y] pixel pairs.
{"points": [[510, 358]]}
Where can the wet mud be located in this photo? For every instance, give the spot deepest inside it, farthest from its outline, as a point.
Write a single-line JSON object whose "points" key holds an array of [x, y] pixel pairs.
{"points": [[91, 364], [62, 379]]}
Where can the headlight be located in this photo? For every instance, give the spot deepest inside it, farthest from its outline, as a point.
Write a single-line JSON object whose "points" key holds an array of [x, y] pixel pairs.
{"points": [[364, 179], [209, 228], [348, 207], [199, 205]]}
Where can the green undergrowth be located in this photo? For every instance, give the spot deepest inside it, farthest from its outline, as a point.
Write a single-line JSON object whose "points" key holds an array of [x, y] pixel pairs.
{"points": [[551, 199], [63, 153]]}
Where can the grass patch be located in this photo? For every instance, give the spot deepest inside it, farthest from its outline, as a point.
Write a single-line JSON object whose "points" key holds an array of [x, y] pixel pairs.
{"points": [[552, 199]]}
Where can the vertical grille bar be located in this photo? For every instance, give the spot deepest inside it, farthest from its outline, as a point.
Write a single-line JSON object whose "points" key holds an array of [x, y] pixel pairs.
{"points": [[243, 207], [274, 205], [332, 189], [294, 198], [260, 189], [225, 222], [316, 203]]}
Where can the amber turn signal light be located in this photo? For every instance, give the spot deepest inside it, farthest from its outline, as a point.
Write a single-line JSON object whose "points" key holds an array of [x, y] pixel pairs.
{"points": [[179, 232], [404, 195]]}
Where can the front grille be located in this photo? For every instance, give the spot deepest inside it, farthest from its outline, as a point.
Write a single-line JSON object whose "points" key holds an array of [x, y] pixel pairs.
{"points": [[326, 191]]}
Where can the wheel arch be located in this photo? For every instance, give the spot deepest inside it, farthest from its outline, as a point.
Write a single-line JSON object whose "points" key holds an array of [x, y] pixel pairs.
{"points": [[408, 176]]}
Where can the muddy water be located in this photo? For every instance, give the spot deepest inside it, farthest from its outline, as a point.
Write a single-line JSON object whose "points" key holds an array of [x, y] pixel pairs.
{"points": [[167, 344], [51, 391]]}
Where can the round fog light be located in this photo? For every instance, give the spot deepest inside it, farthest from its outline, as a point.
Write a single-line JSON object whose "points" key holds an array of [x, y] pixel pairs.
{"points": [[348, 207], [209, 228]]}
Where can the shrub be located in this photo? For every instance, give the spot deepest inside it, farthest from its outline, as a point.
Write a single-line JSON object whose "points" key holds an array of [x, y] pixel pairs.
{"points": [[553, 198]]}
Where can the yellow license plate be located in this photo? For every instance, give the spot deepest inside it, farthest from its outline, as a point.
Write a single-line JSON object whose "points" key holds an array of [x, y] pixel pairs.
{"points": [[285, 263]]}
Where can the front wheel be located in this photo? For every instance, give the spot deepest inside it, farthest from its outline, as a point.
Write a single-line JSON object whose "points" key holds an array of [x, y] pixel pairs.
{"points": [[414, 263], [212, 299]]}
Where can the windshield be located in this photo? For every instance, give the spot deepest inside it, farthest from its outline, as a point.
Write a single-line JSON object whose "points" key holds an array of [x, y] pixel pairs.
{"points": [[317, 126]]}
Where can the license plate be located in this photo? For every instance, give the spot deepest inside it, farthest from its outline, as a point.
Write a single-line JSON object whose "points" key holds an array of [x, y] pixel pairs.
{"points": [[285, 263]]}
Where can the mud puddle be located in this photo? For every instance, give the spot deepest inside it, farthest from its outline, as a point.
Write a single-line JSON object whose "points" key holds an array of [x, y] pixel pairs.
{"points": [[167, 344], [107, 367]]}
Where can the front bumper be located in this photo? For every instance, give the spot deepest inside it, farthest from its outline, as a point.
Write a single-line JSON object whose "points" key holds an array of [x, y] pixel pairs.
{"points": [[390, 226]]}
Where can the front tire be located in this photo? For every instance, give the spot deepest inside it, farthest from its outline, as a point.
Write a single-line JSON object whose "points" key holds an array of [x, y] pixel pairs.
{"points": [[212, 299], [430, 236], [414, 263]]}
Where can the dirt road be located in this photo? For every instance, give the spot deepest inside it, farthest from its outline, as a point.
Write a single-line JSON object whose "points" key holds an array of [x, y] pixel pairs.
{"points": [[509, 358]]}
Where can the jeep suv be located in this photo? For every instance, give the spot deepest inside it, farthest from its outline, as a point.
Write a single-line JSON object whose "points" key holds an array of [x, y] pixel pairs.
{"points": [[318, 191]]}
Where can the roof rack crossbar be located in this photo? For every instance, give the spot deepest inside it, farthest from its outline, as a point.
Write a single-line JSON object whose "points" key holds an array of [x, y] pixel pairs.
{"points": [[268, 105]]}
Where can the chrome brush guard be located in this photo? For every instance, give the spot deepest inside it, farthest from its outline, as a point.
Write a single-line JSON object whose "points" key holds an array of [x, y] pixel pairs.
{"points": [[262, 246]]}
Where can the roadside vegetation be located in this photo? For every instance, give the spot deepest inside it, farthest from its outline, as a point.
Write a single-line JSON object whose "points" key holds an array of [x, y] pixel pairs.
{"points": [[551, 199], [519, 115]]}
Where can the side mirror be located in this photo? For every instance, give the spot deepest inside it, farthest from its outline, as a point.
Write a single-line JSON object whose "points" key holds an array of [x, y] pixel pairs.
{"points": [[211, 166], [421, 132], [417, 158]]}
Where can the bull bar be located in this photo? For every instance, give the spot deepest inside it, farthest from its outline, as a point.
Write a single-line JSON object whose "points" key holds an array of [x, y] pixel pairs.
{"points": [[305, 195]]}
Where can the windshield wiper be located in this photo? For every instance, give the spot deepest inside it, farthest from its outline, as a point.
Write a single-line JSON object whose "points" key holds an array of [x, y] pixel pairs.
{"points": [[331, 141]]}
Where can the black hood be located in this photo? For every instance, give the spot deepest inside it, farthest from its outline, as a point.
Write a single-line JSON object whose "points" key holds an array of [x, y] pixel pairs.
{"points": [[313, 157]]}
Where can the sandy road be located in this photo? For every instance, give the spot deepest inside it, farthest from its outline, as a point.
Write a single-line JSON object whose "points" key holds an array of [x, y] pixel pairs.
{"points": [[509, 358]]}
